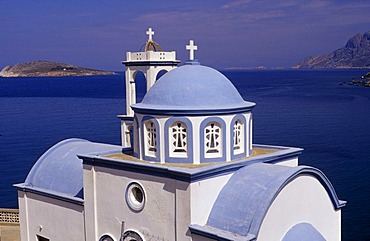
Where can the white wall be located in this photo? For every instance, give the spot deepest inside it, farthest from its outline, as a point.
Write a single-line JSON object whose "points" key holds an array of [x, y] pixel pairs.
{"points": [[50, 218], [293, 162], [203, 196], [302, 200], [166, 210]]}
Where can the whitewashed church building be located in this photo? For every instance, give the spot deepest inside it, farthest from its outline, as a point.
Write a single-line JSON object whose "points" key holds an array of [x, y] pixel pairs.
{"points": [[187, 170]]}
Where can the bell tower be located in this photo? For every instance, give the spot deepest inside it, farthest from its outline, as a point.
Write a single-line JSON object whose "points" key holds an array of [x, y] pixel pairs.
{"points": [[152, 61]]}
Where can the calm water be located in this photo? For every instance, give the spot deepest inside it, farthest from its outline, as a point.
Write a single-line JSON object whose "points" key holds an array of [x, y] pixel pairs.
{"points": [[307, 109]]}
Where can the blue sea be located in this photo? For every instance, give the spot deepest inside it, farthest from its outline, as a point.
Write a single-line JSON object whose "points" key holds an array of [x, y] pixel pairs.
{"points": [[300, 108]]}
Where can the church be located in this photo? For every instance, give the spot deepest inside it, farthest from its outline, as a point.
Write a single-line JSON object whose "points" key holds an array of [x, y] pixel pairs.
{"points": [[187, 170]]}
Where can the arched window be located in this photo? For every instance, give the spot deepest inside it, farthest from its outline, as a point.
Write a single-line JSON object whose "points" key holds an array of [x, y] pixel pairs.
{"points": [[132, 236], [178, 137], [238, 137], [150, 137], [212, 140], [106, 238]]}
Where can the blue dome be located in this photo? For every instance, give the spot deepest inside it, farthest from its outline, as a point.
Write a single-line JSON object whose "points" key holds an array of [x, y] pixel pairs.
{"points": [[60, 170], [193, 89]]}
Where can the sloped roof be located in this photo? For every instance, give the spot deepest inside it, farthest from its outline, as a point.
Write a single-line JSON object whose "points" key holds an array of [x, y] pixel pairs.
{"points": [[59, 171]]}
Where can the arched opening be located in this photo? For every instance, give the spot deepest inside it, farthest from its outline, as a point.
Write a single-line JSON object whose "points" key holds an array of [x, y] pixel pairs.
{"points": [[178, 136], [213, 140], [132, 236], [179, 140], [303, 232], [150, 138], [238, 136], [106, 238], [160, 74], [140, 82]]}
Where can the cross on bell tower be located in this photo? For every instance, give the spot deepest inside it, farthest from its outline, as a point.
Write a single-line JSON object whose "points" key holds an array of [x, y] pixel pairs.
{"points": [[150, 33], [191, 47]]}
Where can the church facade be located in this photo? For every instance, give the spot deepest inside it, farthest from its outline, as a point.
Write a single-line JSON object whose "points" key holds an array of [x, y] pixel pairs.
{"points": [[187, 170]]}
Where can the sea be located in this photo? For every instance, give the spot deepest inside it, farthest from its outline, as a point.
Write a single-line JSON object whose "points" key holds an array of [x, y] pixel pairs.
{"points": [[310, 109]]}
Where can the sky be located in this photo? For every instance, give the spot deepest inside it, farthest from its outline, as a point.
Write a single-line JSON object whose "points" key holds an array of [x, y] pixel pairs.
{"points": [[239, 33]]}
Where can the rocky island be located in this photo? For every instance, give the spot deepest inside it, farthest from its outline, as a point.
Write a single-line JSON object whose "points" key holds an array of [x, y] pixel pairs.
{"points": [[49, 69], [355, 54]]}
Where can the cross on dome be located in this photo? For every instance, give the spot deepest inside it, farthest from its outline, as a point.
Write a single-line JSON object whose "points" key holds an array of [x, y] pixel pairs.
{"points": [[150, 33], [191, 47]]}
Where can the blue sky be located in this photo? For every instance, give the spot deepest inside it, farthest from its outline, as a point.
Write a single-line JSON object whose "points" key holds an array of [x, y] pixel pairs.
{"points": [[240, 33]]}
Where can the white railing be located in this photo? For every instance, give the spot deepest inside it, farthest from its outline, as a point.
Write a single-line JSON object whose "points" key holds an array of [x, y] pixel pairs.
{"points": [[9, 216], [151, 56]]}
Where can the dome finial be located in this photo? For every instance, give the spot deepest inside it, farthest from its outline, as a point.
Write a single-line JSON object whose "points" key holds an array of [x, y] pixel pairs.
{"points": [[191, 47], [150, 33]]}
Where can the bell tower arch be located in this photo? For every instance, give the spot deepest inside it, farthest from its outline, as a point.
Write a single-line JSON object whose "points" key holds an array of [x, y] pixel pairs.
{"points": [[151, 62]]}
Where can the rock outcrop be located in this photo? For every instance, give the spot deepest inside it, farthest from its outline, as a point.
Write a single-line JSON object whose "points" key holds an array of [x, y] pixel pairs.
{"points": [[355, 54], [45, 68], [365, 81]]}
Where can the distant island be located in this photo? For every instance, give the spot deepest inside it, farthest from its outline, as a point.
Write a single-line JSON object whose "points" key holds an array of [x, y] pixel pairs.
{"points": [[43, 68], [355, 54], [261, 67]]}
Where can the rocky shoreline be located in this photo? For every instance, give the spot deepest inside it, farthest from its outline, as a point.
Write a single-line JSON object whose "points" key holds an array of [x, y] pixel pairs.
{"points": [[43, 68], [359, 82], [365, 81]]}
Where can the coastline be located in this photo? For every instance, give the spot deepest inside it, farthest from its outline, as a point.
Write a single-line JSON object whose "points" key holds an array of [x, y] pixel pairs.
{"points": [[43, 68]]}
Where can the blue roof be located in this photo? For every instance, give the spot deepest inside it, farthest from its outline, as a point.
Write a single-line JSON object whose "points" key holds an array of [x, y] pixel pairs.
{"points": [[193, 89], [243, 211], [59, 170], [303, 232]]}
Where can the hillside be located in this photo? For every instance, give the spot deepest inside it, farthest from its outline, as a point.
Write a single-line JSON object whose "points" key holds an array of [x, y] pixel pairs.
{"points": [[45, 68], [355, 54]]}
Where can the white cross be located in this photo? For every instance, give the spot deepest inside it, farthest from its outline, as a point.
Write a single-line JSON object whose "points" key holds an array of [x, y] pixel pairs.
{"points": [[192, 48], [150, 33]]}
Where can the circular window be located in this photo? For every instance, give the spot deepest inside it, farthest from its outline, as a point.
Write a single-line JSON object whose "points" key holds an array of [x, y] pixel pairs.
{"points": [[135, 196]]}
